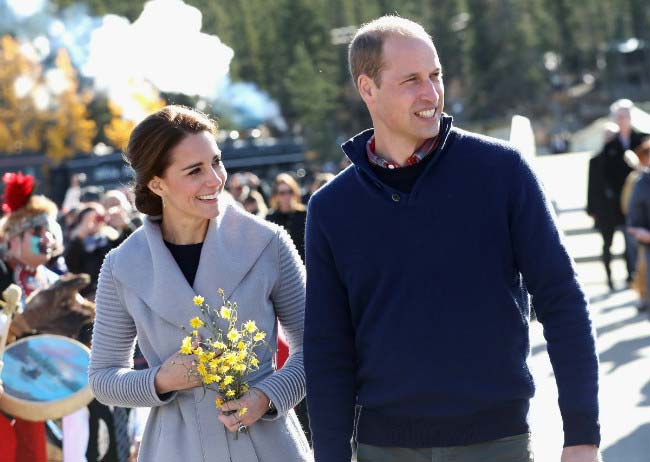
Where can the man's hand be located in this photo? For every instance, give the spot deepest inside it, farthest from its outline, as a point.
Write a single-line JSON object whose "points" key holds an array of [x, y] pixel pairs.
{"points": [[581, 453]]}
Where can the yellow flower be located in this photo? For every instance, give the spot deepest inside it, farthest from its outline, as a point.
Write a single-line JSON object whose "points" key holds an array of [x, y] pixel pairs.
{"points": [[259, 336], [250, 326], [241, 346], [186, 346], [195, 333], [198, 300], [230, 393], [243, 411], [220, 291], [225, 313], [244, 388], [223, 369], [219, 345], [218, 401], [195, 322], [242, 355], [240, 367], [234, 335], [227, 380], [198, 351], [255, 362], [202, 370]]}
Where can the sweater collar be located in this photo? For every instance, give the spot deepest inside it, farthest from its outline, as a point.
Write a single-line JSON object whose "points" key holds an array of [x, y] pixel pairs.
{"points": [[355, 147]]}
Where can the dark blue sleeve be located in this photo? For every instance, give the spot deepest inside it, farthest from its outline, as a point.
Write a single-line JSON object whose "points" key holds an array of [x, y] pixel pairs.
{"points": [[560, 304], [330, 359]]}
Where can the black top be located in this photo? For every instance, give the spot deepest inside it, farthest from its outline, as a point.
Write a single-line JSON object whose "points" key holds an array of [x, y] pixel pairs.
{"points": [[187, 258], [294, 223], [402, 178]]}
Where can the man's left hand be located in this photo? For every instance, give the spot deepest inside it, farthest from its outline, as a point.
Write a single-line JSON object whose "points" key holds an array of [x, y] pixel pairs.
{"points": [[581, 453]]}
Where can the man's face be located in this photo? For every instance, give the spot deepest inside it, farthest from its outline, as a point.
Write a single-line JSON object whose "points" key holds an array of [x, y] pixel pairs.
{"points": [[407, 105]]}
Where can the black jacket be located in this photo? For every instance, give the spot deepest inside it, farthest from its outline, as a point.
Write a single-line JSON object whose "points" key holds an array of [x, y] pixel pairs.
{"points": [[607, 173]]}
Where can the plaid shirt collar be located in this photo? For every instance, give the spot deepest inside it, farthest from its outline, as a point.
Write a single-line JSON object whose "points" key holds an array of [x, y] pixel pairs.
{"points": [[420, 153]]}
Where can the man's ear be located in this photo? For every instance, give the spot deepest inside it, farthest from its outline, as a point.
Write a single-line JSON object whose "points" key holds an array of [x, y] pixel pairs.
{"points": [[155, 186], [366, 87]]}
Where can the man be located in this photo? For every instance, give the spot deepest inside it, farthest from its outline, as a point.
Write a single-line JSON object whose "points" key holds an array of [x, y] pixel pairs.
{"points": [[607, 173], [419, 258]]}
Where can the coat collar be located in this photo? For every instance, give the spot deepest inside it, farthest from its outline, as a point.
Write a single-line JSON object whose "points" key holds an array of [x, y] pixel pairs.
{"points": [[233, 243]]}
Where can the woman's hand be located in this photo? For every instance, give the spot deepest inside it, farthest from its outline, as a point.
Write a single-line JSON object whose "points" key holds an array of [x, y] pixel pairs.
{"points": [[177, 373], [254, 401]]}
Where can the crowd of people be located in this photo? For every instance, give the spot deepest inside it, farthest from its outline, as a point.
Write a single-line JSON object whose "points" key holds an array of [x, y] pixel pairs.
{"points": [[617, 198]]}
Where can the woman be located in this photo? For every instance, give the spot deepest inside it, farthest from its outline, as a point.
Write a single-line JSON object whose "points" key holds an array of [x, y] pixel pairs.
{"points": [[288, 210], [192, 243]]}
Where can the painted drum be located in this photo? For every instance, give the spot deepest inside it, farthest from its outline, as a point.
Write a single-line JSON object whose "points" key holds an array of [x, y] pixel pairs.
{"points": [[45, 377]]}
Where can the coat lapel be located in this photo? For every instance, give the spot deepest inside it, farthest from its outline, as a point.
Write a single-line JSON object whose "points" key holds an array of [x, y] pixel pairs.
{"points": [[233, 243], [232, 246]]}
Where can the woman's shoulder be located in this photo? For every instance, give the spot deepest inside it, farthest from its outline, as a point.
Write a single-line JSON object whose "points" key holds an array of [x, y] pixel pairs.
{"points": [[132, 247]]}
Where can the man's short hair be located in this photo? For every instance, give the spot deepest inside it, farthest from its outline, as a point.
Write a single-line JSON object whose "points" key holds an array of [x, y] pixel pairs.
{"points": [[365, 50]]}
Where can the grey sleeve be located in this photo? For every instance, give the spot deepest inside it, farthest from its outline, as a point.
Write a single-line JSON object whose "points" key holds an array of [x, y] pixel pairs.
{"points": [[286, 387], [111, 376]]}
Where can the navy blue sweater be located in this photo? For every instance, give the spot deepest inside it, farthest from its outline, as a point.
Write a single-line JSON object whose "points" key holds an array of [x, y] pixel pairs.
{"points": [[417, 304]]}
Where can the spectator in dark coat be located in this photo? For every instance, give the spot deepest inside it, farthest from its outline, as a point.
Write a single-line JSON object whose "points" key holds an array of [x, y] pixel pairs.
{"points": [[607, 173]]}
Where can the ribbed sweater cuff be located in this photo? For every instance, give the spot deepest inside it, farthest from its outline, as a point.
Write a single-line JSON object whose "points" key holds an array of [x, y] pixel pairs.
{"points": [[581, 429]]}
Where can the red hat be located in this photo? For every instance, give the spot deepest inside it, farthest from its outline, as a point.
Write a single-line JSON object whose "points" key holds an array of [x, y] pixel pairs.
{"points": [[18, 190]]}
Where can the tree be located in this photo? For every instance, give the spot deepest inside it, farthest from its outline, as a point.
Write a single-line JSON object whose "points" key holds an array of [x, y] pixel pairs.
{"points": [[20, 122], [69, 129]]}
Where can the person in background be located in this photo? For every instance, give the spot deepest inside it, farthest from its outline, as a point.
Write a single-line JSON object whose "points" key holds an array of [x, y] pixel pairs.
{"points": [[420, 261], [253, 202], [90, 240], [607, 173], [638, 223], [288, 211]]}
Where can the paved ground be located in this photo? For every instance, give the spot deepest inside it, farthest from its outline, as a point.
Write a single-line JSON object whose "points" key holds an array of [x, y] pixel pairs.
{"points": [[623, 334]]}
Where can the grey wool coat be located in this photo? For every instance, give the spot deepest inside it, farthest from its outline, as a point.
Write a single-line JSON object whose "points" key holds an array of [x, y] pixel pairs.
{"points": [[142, 292]]}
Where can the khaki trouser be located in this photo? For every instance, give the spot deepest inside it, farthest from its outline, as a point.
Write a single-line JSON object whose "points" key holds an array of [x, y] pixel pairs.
{"points": [[511, 449]]}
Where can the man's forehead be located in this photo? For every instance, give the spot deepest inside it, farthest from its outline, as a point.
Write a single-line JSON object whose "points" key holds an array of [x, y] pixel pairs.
{"points": [[406, 55]]}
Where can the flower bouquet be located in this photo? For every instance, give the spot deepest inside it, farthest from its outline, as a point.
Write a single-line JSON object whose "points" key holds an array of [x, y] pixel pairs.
{"points": [[227, 355]]}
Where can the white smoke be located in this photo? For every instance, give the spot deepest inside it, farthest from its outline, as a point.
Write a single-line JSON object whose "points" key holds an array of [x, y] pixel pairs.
{"points": [[163, 48], [164, 45]]}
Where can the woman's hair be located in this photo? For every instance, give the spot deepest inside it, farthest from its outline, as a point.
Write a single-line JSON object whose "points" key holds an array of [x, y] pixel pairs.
{"points": [[255, 197], [296, 197], [150, 145]]}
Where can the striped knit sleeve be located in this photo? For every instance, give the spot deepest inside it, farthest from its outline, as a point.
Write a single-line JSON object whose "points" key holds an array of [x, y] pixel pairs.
{"points": [[111, 376], [286, 387]]}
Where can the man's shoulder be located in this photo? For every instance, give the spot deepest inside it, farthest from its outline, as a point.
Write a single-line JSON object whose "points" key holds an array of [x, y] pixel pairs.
{"points": [[338, 186], [484, 148]]}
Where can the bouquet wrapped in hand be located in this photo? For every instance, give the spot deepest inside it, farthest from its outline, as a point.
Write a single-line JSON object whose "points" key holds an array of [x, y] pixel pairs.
{"points": [[227, 356]]}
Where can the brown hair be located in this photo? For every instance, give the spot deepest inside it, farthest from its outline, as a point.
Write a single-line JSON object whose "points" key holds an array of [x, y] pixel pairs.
{"points": [[150, 144], [296, 198], [365, 50]]}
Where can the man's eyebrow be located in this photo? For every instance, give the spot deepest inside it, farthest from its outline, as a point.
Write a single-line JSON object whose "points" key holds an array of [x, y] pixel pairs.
{"points": [[437, 70]]}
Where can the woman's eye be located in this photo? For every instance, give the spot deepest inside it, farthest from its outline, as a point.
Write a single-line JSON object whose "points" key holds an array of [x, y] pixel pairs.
{"points": [[195, 171]]}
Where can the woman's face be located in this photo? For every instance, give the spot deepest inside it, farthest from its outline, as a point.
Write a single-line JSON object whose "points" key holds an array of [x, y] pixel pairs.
{"points": [[190, 186], [284, 194]]}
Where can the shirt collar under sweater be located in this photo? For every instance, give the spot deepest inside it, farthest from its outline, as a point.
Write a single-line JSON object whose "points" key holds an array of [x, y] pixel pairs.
{"points": [[355, 149]]}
